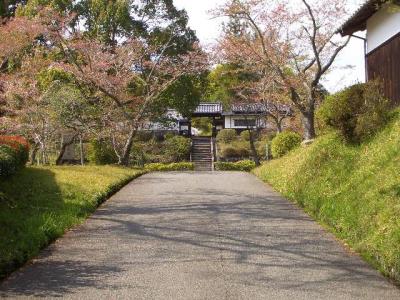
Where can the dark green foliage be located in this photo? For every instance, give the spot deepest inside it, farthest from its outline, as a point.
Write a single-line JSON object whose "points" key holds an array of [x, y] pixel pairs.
{"points": [[168, 149], [184, 95], [177, 148], [223, 82], [8, 161], [235, 153], [357, 112], [159, 167], [14, 154], [284, 142], [226, 135], [244, 165], [101, 152]]}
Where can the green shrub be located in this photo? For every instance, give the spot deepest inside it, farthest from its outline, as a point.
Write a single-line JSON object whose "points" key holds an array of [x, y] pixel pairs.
{"points": [[285, 142], [244, 165], [230, 152], [138, 156], [226, 136], [101, 152], [235, 152], [169, 135], [245, 135], [243, 152], [177, 148], [143, 136], [14, 154], [159, 167], [8, 161], [357, 112]]}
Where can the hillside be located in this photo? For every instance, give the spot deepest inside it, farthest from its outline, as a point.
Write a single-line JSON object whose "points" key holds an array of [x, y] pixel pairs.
{"points": [[354, 190]]}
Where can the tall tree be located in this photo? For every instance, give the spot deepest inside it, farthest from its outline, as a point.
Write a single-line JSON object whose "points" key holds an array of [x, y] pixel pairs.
{"points": [[296, 41], [132, 74]]}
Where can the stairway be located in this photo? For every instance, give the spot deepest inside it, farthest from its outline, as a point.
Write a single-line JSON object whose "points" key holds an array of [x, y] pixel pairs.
{"points": [[201, 154]]}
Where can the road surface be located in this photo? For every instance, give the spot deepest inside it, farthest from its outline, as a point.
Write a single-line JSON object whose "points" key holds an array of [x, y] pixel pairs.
{"points": [[198, 236]]}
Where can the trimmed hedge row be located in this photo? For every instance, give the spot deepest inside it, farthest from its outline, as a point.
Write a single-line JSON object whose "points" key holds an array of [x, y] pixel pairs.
{"points": [[158, 167], [244, 165], [14, 154]]}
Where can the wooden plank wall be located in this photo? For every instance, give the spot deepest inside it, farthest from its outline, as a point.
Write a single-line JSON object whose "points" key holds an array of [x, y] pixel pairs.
{"points": [[384, 63]]}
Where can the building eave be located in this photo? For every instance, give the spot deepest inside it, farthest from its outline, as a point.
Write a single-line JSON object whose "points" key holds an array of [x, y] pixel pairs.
{"points": [[358, 21]]}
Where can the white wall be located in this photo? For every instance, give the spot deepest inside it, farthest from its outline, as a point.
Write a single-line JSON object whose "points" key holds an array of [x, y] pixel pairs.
{"points": [[382, 26], [230, 122]]}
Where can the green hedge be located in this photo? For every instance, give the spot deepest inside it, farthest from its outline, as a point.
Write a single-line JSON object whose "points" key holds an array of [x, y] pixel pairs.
{"points": [[284, 142], [14, 154], [244, 165], [159, 167], [177, 148], [101, 152], [358, 112]]}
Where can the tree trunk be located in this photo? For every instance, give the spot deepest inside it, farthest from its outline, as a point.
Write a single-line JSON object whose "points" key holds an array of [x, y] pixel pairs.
{"points": [[81, 150], [62, 151], [253, 149], [35, 149], [309, 125], [124, 161], [279, 126]]}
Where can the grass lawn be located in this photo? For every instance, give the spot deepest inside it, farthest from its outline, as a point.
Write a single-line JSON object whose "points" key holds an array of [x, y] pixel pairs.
{"points": [[39, 204], [354, 190]]}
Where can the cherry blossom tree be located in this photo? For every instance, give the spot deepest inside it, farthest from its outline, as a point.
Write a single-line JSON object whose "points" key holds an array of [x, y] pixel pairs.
{"points": [[293, 43], [132, 74]]}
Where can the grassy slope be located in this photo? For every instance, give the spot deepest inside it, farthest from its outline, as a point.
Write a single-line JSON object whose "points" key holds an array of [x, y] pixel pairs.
{"points": [[39, 204], [353, 190]]}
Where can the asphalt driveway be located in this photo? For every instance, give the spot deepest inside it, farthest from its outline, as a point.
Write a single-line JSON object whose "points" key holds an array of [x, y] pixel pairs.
{"points": [[198, 236]]}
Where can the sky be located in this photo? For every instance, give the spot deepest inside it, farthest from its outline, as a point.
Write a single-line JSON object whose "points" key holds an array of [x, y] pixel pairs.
{"points": [[348, 68]]}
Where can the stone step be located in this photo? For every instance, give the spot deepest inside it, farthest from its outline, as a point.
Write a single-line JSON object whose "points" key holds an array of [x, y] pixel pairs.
{"points": [[201, 153]]}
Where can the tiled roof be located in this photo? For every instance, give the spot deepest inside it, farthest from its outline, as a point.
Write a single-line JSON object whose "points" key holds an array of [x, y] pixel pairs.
{"points": [[261, 108], [249, 108], [358, 21], [209, 108]]}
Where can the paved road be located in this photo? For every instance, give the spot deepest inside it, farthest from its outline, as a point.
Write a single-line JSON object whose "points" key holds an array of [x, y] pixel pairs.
{"points": [[198, 236]]}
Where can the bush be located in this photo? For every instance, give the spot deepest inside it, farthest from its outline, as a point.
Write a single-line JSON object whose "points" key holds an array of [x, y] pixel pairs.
{"points": [[14, 154], [244, 165], [143, 136], [230, 152], [285, 142], [226, 136], [245, 135], [235, 152], [169, 135], [357, 112], [158, 167], [138, 156], [101, 152], [8, 164], [177, 148]]}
